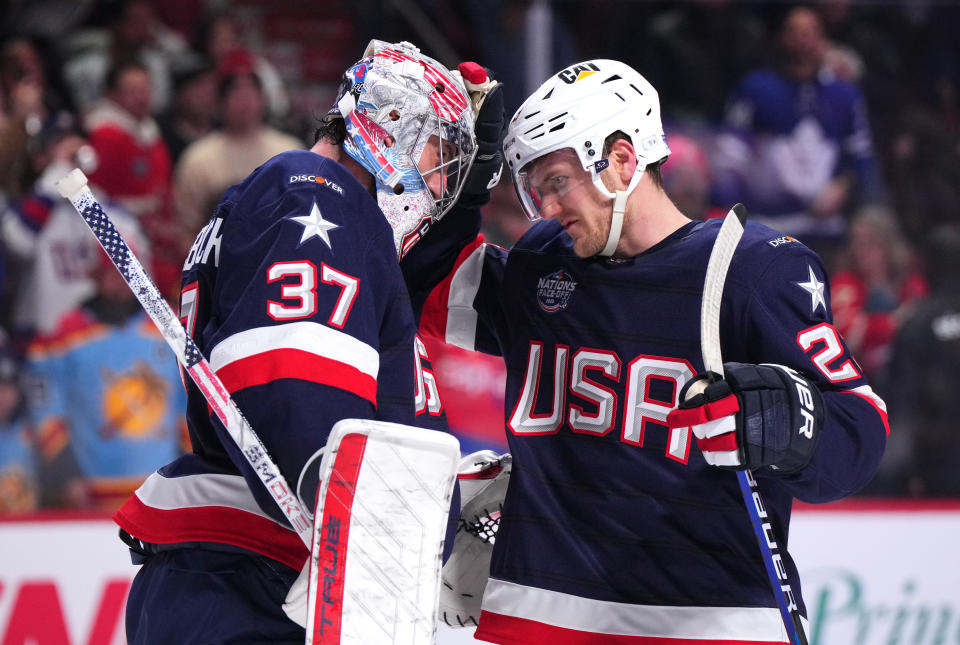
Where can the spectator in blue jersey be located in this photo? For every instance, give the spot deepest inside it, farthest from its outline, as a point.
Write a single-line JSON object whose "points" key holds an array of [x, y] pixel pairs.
{"points": [[108, 402], [294, 293], [19, 489], [624, 519], [798, 146]]}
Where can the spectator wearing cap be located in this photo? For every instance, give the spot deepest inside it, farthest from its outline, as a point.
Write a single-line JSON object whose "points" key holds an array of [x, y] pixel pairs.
{"points": [[224, 157], [109, 403], [19, 489]]}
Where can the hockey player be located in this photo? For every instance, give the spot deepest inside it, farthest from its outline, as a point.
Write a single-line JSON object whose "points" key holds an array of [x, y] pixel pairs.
{"points": [[294, 292], [616, 528]]}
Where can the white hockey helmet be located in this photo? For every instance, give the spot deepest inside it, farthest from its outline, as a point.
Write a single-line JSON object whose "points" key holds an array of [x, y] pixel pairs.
{"points": [[577, 109], [393, 101]]}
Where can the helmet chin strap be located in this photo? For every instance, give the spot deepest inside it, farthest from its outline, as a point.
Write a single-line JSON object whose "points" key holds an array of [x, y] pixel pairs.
{"points": [[616, 223], [619, 206]]}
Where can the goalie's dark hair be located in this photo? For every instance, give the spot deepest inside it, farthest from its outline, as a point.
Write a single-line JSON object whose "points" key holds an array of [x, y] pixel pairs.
{"points": [[332, 129], [653, 169]]}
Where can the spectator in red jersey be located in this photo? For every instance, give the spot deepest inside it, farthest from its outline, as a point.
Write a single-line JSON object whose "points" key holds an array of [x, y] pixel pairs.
{"points": [[134, 164], [877, 280]]}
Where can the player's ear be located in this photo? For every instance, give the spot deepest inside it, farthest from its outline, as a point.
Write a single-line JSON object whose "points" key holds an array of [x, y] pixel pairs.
{"points": [[623, 159]]}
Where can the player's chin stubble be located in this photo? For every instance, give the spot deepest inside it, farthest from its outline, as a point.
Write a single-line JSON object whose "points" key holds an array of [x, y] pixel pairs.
{"points": [[592, 239]]}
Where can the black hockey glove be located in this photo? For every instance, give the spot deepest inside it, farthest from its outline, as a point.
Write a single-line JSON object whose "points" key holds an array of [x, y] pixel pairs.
{"points": [[757, 415], [486, 101]]}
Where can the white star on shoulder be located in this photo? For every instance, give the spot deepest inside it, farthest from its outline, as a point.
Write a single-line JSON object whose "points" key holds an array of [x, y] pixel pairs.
{"points": [[315, 226], [814, 287]]}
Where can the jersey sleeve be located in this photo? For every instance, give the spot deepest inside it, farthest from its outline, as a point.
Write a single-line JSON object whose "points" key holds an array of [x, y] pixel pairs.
{"points": [[455, 279], [305, 327], [788, 321]]}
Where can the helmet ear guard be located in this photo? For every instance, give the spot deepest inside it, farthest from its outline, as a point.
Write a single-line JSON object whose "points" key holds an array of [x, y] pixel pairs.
{"points": [[396, 103]]}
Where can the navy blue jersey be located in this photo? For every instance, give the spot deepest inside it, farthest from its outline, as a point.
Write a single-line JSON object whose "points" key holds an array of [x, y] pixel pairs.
{"points": [[293, 292], [612, 524]]}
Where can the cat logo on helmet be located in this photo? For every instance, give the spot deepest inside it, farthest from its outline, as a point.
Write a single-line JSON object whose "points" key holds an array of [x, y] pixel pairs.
{"points": [[577, 72]]}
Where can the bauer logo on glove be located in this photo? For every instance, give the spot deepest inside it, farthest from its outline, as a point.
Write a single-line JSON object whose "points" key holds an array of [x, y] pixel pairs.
{"points": [[756, 416]]}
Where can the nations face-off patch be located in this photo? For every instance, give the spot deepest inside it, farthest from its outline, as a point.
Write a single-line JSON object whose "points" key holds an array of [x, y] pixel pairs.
{"points": [[554, 291]]}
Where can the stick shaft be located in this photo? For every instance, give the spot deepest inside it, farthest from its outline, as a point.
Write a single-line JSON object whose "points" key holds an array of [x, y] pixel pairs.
{"points": [[717, 266], [188, 354]]}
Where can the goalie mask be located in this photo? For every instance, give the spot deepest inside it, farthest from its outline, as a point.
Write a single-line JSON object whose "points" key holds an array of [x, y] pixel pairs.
{"points": [[576, 110], [409, 123]]}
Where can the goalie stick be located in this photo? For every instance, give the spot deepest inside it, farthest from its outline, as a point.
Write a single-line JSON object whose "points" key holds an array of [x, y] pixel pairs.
{"points": [[74, 187], [720, 256]]}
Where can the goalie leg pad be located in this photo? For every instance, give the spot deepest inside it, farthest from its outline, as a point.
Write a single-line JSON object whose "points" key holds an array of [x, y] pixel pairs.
{"points": [[379, 528]]}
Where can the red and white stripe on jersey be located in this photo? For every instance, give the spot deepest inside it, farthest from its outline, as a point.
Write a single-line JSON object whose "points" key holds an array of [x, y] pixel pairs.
{"points": [[303, 350], [866, 393], [207, 508], [448, 104], [448, 312], [515, 614]]}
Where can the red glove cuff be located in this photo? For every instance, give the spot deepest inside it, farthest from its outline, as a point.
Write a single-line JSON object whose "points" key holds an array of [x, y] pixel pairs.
{"points": [[686, 417]]}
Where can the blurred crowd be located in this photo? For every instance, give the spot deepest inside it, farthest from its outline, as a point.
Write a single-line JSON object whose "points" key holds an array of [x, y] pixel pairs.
{"points": [[835, 122]]}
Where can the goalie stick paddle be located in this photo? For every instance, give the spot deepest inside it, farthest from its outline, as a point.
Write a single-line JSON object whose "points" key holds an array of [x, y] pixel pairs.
{"points": [[720, 256], [74, 187]]}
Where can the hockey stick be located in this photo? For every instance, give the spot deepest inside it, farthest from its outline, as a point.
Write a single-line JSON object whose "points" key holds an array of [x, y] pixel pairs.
{"points": [[720, 256], [74, 187]]}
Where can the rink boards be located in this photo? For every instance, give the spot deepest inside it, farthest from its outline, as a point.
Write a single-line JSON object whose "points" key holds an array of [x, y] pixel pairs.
{"points": [[873, 572]]}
